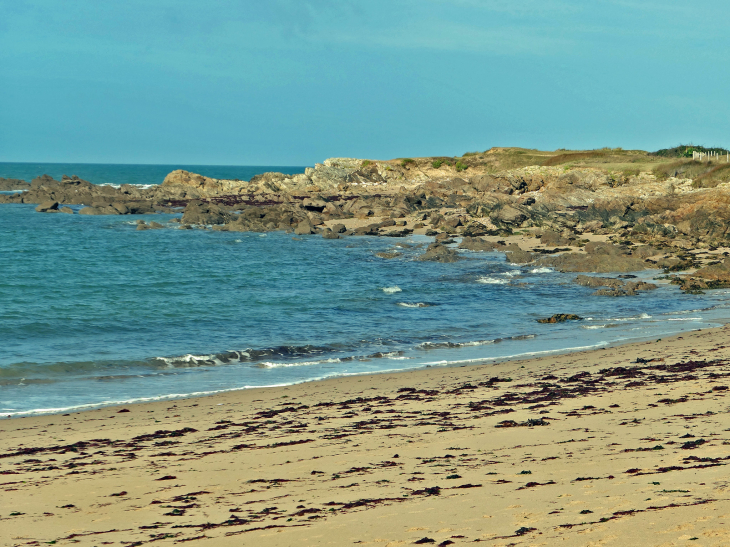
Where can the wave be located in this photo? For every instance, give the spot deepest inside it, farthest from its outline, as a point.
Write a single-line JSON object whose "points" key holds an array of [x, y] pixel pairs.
{"points": [[684, 319], [243, 356], [449, 344], [630, 318], [492, 281], [604, 326], [392, 290], [415, 304], [541, 270]]}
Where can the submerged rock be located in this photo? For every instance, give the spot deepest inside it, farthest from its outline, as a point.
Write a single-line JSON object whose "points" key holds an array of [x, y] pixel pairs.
{"points": [[560, 318]]}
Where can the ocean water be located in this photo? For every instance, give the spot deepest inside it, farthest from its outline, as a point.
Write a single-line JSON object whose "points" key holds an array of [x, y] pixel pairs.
{"points": [[93, 312]]}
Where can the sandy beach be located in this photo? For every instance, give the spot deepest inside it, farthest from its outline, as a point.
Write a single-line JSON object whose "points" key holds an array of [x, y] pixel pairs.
{"points": [[617, 446]]}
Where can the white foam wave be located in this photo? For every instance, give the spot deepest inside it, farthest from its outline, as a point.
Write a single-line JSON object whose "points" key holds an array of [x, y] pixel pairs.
{"points": [[513, 273], [632, 318], [414, 304], [190, 358], [492, 281], [269, 364], [684, 319], [541, 270], [392, 290]]}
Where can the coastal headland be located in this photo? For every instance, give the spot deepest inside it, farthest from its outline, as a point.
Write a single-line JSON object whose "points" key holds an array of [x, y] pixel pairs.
{"points": [[607, 210], [618, 446]]}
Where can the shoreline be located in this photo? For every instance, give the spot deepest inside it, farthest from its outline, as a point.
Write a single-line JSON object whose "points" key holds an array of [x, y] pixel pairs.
{"points": [[476, 363], [633, 454]]}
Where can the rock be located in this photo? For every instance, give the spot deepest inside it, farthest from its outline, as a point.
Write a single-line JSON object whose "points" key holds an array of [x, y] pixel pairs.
{"points": [[476, 244], [91, 211], [560, 318], [66, 210], [392, 254], [439, 253], [508, 215], [329, 234], [13, 184], [339, 228], [550, 238], [47, 206], [609, 292], [155, 225], [599, 258], [304, 228], [519, 256], [593, 282], [121, 208], [197, 212]]}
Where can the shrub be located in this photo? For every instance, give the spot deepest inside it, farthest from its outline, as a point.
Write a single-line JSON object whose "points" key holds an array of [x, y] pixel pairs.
{"points": [[460, 166], [437, 163], [406, 161], [365, 163]]}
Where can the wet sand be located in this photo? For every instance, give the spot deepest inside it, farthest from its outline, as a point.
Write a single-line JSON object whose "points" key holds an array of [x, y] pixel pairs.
{"points": [[619, 446]]}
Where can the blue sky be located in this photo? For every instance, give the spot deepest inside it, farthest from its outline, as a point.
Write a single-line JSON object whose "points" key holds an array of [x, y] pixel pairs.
{"points": [[285, 82]]}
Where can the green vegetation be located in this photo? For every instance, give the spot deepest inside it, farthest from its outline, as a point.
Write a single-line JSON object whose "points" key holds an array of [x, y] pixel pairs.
{"points": [[365, 163], [436, 164], [468, 154], [685, 151], [406, 161], [461, 166]]}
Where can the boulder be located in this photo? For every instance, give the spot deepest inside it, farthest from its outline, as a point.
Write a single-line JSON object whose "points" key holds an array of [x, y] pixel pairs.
{"points": [[476, 244], [66, 210], [47, 207], [304, 228], [519, 256], [439, 253], [197, 212], [339, 228], [121, 208], [329, 234]]}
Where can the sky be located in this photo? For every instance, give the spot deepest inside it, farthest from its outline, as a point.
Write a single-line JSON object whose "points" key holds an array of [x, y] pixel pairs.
{"points": [[292, 82]]}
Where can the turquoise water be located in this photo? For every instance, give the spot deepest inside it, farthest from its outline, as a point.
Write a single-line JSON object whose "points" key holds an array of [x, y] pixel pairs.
{"points": [[93, 312]]}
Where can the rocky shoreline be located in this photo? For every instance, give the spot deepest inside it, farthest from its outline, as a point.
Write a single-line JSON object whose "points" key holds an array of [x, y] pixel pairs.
{"points": [[572, 218]]}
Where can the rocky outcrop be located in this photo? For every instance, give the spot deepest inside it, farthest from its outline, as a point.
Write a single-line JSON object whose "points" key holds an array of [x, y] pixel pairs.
{"points": [[613, 286], [598, 258], [476, 244], [560, 318], [201, 213], [436, 252], [7, 185]]}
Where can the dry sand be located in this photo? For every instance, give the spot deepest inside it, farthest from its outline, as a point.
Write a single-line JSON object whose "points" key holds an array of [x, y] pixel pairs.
{"points": [[620, 446]]}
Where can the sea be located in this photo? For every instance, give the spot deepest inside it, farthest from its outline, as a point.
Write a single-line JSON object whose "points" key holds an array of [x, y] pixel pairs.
{"points": [[94, 312]]}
